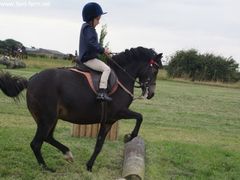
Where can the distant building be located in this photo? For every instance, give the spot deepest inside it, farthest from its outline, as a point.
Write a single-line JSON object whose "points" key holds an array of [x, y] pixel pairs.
{"points": [[45, 52]]}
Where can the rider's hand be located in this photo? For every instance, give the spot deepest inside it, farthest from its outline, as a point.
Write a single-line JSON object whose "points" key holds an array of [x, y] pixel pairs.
{"points": [[107, 52]]}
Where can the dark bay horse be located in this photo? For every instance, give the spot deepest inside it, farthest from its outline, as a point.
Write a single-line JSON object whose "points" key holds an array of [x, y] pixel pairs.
{"points": [[63, 94]]}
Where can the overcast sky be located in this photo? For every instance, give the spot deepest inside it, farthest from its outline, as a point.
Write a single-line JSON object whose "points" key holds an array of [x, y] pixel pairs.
{"points": [[210, 26]]}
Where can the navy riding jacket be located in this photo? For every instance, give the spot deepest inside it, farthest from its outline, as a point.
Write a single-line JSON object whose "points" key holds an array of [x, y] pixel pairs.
{"points": [[89, 47]]}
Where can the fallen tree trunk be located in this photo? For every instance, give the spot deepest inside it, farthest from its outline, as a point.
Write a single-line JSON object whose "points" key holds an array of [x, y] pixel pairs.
{"points": [[134, 159]]}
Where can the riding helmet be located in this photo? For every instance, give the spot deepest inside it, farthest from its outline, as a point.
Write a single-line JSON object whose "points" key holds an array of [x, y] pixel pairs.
{"points": [[91, 10]]}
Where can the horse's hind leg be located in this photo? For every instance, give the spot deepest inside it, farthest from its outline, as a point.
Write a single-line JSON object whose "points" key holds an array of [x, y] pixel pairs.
{"points": [[36, 144], [65, 150]]}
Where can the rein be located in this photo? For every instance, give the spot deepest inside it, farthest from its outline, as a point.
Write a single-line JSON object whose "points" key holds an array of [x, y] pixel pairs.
{"points": [[128, 92], [124, 70], [130, 76]]}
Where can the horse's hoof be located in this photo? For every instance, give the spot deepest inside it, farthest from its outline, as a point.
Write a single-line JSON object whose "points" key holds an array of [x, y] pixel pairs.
{"points": [[68, 156], [89, 168], [127, 138], [45, 168]]}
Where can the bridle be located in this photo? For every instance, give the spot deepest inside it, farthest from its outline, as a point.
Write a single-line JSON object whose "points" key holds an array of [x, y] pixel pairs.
{"points": [[143, 85], [149, 81]]}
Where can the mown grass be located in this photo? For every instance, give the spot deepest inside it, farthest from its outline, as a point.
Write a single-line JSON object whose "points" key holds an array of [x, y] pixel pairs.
{"points": [[162, 75], [40, 63], [191, 131]]}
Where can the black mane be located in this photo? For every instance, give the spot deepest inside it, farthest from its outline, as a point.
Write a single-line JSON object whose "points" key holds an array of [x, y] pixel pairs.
{"points": [[134, 54]]}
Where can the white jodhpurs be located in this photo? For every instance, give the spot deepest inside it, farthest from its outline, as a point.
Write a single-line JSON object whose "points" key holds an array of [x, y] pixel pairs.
{"points": [[98, 65]]}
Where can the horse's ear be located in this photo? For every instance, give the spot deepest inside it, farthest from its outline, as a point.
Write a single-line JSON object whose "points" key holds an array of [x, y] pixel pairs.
{"points": [[159, 55], [158, 58]]}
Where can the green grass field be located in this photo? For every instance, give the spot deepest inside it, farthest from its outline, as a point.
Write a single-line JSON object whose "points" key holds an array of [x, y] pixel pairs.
{"points": [[191, 131]]}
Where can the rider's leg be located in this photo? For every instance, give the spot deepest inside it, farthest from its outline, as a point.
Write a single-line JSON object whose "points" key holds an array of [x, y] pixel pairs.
{"points": [[98, 65]]}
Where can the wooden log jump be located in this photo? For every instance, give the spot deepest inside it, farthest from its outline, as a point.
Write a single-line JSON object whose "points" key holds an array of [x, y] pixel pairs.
{"points": [[134, 159], [91, 130]]}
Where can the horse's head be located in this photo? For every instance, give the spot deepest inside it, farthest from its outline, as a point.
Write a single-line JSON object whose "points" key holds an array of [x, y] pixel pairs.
{"points": [[148, 74], [141, 63]]}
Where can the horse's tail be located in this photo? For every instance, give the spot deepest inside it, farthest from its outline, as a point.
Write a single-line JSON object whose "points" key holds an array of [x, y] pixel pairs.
{"points": [[12, 85]]}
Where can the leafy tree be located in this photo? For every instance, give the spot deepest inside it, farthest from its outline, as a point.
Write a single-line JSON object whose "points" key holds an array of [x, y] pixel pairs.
{"points": [[103, 34], [10, 47], [3, 49], [202, 67]]}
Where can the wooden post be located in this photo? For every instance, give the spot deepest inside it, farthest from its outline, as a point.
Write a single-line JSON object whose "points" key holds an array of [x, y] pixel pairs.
{"points": [[75, 130], [88, 130], [134, 159], [82, 129], [91, 130], [95, 129], [114, 132]]}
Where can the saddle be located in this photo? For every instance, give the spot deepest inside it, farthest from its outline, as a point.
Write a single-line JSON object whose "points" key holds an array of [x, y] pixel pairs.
{"points": [[93, 78]]}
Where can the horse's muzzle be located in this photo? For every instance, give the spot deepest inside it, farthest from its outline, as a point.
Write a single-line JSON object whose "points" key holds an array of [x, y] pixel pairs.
{"points": [[150, 95], [151, 91]]}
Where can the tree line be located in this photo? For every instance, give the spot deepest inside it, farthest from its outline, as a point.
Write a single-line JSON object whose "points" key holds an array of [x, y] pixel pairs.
{"points": [[11, 47], [183, 64], [202, 67], [16, 49]]}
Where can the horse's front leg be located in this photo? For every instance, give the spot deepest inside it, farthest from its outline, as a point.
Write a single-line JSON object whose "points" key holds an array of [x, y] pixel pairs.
{"points": [[128, 114], [104, 129]]}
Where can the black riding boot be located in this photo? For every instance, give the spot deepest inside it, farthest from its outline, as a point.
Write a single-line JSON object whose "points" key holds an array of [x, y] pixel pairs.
{"points": [[102, 95]]}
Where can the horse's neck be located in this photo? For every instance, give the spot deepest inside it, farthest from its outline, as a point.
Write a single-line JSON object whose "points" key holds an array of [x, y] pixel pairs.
{"points": [[125, 77]]}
